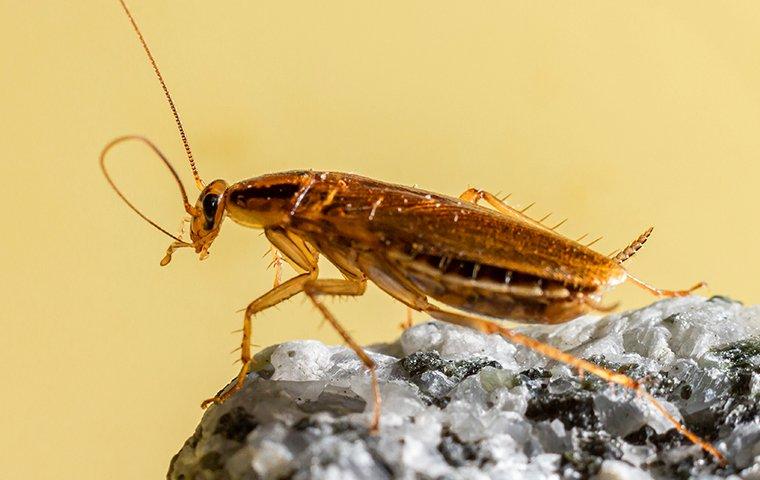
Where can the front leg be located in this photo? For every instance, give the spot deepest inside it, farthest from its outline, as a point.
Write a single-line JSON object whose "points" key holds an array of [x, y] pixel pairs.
{"points": [[303, 259], [276, 295]]}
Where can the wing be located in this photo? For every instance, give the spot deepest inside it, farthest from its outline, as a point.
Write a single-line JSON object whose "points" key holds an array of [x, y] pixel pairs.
{"points": [[381, 215]]}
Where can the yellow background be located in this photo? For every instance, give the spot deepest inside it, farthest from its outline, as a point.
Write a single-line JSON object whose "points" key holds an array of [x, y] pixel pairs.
{"points": [[619, 115]]}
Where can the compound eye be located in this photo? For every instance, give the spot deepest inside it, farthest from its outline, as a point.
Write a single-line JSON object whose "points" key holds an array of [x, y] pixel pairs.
{"points": [[210, 205]]}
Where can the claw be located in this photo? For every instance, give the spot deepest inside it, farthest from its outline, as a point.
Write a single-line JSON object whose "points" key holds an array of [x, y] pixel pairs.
{"points": [[209, 401]]}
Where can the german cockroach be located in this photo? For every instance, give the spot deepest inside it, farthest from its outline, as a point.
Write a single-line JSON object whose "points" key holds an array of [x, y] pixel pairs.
{"points": [[415, 245]]}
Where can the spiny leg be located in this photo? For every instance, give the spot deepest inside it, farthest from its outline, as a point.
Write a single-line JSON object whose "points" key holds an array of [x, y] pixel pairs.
{"points": [[665, 293], [598, 306], [316, 288], [474, 195], [409, 320], [276, 295], [395, 283], [277, 265], [578, 363]]}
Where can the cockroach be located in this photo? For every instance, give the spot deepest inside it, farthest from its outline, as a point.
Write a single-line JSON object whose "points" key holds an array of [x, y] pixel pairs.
{"points": [[485, 264]]}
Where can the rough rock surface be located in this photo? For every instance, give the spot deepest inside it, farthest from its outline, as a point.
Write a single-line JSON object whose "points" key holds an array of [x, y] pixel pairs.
{"points": [[460, 404]]}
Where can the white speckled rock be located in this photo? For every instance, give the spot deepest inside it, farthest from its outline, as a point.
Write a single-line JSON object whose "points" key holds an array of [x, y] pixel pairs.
{"points": [[460, 404]]}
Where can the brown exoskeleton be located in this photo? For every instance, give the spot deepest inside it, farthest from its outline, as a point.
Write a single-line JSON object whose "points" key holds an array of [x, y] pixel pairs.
{"points": [[416, 246]]}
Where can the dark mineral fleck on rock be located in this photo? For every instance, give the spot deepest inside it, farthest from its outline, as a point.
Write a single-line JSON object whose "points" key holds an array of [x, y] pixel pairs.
{"points": [[235, 424], [573, 409], [458, 404], [456, 452], [435, 377]]}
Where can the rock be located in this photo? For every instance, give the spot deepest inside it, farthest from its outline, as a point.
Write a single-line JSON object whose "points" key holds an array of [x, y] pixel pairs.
{"points": [[461, 404]]}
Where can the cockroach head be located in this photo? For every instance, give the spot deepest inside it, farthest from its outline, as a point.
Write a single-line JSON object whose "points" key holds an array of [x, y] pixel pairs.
{"points": [[207, 216]]}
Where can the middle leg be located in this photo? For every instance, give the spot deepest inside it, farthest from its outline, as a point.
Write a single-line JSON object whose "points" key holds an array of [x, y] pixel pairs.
{"points": [[408, 320], [316, 288]]}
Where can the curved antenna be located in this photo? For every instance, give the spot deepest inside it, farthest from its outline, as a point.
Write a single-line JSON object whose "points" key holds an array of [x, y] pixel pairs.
{"points": [[198, 181], [116, 141]]}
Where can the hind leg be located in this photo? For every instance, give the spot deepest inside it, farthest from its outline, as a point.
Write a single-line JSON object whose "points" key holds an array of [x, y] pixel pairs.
{"points": [[665, 293], [396, 284], [580, 364]]}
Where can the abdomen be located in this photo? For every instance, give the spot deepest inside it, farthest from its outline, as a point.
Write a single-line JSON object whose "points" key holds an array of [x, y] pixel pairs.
{"points": [[490, 290]]}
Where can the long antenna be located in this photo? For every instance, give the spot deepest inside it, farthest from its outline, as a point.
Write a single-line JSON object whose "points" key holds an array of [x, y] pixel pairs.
{"points": [[198, 181], [107, 148]]}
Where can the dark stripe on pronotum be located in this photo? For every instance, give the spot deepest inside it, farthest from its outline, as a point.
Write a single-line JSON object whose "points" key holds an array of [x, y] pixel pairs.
{"points": [[279, 191]]}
